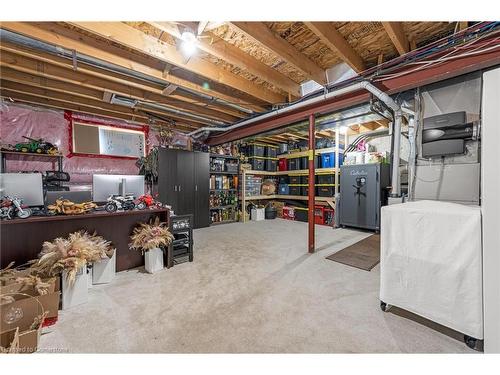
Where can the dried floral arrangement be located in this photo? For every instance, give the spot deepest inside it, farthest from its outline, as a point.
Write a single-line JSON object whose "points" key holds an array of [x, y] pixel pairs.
{"points": [[70, 254], [150, 235]]}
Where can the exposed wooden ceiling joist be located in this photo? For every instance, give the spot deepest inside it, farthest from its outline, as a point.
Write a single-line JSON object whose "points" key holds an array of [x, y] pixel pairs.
{"points": [[135, 39], [396, 32], [279, 46], [42, 92], [57, 104], [334, 40], [69, 39], [61, 69], [223, 50]]}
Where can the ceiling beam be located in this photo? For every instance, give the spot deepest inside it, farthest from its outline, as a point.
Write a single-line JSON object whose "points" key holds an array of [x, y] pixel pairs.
{"points": [[280, 47], [58, 35], [334, 40], [125, 35], [51, 103], [228, 52], [78, 100], [398, 37], [61, 69]]}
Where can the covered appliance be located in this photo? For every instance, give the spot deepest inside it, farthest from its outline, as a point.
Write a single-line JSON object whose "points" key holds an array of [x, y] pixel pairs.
{"points": [[431, 263], [363, 190]]}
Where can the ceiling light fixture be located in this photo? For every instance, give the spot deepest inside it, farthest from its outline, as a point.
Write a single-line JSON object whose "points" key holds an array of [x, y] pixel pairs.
{"points": [[189, 42]]}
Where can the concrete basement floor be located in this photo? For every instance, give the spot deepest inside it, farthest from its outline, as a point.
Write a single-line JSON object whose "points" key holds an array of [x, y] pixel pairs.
{"points": [[248, 290]]}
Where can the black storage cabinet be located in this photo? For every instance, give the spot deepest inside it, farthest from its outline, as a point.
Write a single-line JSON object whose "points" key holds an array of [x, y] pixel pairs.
{"points": [[183, 183]]}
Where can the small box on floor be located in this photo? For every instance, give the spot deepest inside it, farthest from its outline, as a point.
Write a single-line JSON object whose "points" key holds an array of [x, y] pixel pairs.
{"points": [[288, 213], [153, 260], [301, 214], [104, 271], [76, 293], [258, 214]]}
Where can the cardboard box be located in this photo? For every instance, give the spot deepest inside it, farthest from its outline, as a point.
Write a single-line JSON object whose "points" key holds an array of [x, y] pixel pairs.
{"points": [[21, 314], [153, 260], [104, 271]]}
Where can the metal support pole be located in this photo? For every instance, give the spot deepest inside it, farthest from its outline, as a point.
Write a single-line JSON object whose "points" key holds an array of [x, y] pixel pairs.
{"points": [[311, 157]]}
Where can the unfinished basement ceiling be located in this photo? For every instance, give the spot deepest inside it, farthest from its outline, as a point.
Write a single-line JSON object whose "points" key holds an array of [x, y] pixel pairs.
{"points": [[239, 69]]}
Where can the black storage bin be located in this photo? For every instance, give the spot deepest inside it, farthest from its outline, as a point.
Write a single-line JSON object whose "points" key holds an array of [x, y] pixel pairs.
{"points": [[304, 162], [258, 164], [283, 180], [325, 191], [295, 190], [305, 190], [272, 151], [300, 214], [270, 212], [293, 164], [325, 179], [255, 149], [295, 180], [317, 161], [271, 165], [304, 179]]}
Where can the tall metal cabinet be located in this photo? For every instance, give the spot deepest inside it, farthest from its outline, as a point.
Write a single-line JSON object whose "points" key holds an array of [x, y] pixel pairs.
{"points": [[183, 183]]}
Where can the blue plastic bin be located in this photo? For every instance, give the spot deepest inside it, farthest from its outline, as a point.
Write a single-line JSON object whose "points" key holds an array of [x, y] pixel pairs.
{"points": [[328, 160], [284, 189]]}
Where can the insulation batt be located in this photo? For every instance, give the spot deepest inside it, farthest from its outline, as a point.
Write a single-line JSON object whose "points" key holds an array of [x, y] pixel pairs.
{"points": [[431, 262]]}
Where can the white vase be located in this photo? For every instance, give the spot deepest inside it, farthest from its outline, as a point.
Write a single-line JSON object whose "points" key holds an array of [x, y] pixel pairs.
{"points": [[153, 260], [104, 271], [77, 293]]}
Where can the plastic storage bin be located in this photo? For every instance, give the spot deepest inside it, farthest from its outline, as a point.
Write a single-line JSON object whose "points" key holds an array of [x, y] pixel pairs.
{"points": [[325, 191], [304, 179], [282, 164], [255, 149], [271, 165], [258, 214], [295, 180], [284, 189], [295, 190], [304, 190], [293, 164], [300, 214], [258, 163], [328, 160], [319, 215], [272, 151], [325, 179], [304, 162]]}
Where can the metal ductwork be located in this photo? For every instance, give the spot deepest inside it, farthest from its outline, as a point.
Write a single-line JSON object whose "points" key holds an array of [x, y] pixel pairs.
{"points": [[21, 40]]}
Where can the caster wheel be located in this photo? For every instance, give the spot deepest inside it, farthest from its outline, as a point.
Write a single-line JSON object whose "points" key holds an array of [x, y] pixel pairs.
{"points": [[383, 306], [471, 342]]}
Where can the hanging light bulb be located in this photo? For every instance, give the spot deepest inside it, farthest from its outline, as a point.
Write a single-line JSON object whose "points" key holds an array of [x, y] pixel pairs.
{"points": [[189, 42]]}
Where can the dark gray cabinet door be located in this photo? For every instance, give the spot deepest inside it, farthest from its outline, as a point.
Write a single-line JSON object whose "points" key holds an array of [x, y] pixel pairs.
{"points": [[185, 182], [201, 189], [167, 177]]}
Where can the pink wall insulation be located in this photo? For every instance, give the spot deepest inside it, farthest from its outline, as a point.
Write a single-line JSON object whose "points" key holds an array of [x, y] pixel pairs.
{"points": [[17, 121]]}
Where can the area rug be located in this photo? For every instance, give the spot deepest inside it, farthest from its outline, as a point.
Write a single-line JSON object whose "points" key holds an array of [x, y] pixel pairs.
{"points": [[364, 254]]}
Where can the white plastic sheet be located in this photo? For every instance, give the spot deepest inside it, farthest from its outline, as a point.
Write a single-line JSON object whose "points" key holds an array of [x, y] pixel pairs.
{"points": [[431, 262]]}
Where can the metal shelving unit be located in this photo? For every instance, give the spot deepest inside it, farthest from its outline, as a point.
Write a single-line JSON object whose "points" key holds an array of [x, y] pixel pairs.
{"points": [[224, 190]]}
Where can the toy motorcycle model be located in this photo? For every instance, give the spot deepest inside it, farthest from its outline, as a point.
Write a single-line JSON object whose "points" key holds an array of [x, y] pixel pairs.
{"points": [[118, 202], [13, 206], [146, 201]]}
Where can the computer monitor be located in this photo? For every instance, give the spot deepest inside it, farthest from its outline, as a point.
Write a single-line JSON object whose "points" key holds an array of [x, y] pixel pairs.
{"points": [[26, 186], [104, 185]]}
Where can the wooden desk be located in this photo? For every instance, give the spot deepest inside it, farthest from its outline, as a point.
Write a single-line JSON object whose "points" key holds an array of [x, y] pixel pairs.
{"points": [[21, 240]]}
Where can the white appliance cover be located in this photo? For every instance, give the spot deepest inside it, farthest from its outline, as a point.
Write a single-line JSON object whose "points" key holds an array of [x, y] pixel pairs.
{"points": [[431, 262]]}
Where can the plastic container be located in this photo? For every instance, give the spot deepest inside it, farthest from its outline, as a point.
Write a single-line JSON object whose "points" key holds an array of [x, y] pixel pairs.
{"points": [[270, 212], [328, 160], [304, 191], [325, 179], [282, 164], [284, 189], [271, 165], [304, 180], [300, 214], [325, 191], [295, 190], [319, 215], [258, 163], [294, 164], [304, 162], [295, 180], [271, 151], [283, 180], [329, 216], [288, 213], [255, 149]]}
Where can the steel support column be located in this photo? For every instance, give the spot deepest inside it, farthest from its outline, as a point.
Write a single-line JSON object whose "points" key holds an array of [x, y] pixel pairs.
{"points": [[311, 157]]}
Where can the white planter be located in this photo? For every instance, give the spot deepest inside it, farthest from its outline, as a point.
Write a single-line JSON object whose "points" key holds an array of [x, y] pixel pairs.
{"points": [[153, 260], [77, 293], [90, 272], [104, 271]]}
